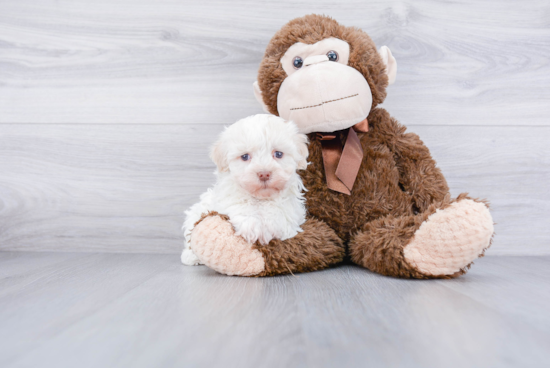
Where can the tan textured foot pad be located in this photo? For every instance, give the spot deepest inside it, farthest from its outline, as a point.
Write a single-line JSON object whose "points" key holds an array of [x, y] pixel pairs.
{"points": [[214, 242], [450, 239]]}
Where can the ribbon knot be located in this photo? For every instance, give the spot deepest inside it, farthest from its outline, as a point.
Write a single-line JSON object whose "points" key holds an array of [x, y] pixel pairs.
{"points": [[342, 165]]}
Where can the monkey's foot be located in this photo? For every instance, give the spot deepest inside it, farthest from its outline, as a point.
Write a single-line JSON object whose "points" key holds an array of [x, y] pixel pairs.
{"points": [[214, 242], [450, 239]]}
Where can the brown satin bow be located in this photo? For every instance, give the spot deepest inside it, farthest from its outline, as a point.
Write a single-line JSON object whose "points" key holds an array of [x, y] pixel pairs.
{"points": [[342, 165]]}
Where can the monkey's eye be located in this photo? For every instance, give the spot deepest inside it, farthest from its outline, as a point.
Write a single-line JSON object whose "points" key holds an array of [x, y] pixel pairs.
{"points": [[298, 62], [278, 154], [245, 157], [332, 55]]}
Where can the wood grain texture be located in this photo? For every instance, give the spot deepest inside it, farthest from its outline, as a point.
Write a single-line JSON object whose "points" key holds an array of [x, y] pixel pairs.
{"points": [[123, 188], [134, 61], [122, 310], [107, 108]]}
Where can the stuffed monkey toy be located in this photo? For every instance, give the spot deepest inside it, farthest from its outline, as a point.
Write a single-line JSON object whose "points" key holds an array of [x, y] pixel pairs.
{"points": [[374, 193]]}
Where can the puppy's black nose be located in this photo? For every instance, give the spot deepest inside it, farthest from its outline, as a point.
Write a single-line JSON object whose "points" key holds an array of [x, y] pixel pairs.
{"points": [[264, 175]]}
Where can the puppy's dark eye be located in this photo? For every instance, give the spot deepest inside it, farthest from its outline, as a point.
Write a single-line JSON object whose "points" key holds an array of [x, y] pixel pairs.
{"points": [[298, 62], [245, 157], [332, 55], [278, 154]]}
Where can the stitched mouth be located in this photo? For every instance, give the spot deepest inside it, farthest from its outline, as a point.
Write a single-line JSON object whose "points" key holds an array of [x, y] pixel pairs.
{"points": [[324, 102]]}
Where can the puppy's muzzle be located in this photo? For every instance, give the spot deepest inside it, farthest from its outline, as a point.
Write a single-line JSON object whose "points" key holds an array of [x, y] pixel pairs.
{"points": [[264, 175]]}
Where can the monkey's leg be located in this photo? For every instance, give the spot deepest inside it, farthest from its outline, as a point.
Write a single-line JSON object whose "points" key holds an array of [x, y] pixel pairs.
{"points": [[441, 242], [214, 241]]}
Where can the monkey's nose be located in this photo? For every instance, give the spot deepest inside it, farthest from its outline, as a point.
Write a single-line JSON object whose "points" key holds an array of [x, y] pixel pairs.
{"points": [[315, 59], [264, 175]]}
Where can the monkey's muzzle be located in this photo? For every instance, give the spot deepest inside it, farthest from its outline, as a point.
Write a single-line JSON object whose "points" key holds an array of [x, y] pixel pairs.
{"points": [[324, 96]]}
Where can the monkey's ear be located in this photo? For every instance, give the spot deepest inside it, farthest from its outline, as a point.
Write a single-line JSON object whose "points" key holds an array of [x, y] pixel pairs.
{"points": [[219, 156], [389, 61], [258, 94]]}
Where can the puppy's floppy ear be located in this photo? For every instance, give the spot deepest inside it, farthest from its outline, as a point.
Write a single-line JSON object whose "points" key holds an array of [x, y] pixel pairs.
{"points": [[301, 144], [218, 154]]}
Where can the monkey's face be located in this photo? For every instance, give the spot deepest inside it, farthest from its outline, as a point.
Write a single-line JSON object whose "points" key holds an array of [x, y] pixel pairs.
{"points": [[323, 76], [322, 93]]}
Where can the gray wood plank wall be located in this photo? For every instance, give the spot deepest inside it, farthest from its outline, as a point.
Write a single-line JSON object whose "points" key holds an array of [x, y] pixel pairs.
{"points": [[107, 108]]}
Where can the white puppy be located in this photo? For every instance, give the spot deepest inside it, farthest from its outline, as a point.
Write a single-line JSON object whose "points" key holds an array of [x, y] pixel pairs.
{"points": [[257, 184]]}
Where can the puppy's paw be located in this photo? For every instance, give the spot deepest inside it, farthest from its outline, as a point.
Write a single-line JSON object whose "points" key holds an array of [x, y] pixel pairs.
{"points": [[189, 258], [214, 242], [251, 229]]}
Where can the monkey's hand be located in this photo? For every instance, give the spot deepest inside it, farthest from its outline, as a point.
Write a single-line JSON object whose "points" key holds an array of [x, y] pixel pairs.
{"points": [[214, 241]]}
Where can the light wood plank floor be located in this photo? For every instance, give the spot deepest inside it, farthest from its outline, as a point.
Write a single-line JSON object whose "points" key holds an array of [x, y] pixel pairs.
{"points": [[147, 310], [108, 109]]}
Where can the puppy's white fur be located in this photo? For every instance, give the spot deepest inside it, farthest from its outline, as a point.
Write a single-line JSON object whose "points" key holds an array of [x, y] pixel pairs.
{"points": [[258, 210]]}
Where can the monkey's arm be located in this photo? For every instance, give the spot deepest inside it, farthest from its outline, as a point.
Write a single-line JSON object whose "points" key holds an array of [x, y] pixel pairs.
{"points": [[418, 174], [214, 241]]}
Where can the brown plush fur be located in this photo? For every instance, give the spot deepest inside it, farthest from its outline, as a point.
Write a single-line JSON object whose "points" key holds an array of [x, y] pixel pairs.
{"points": [[315, 248], [397, 177]]}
